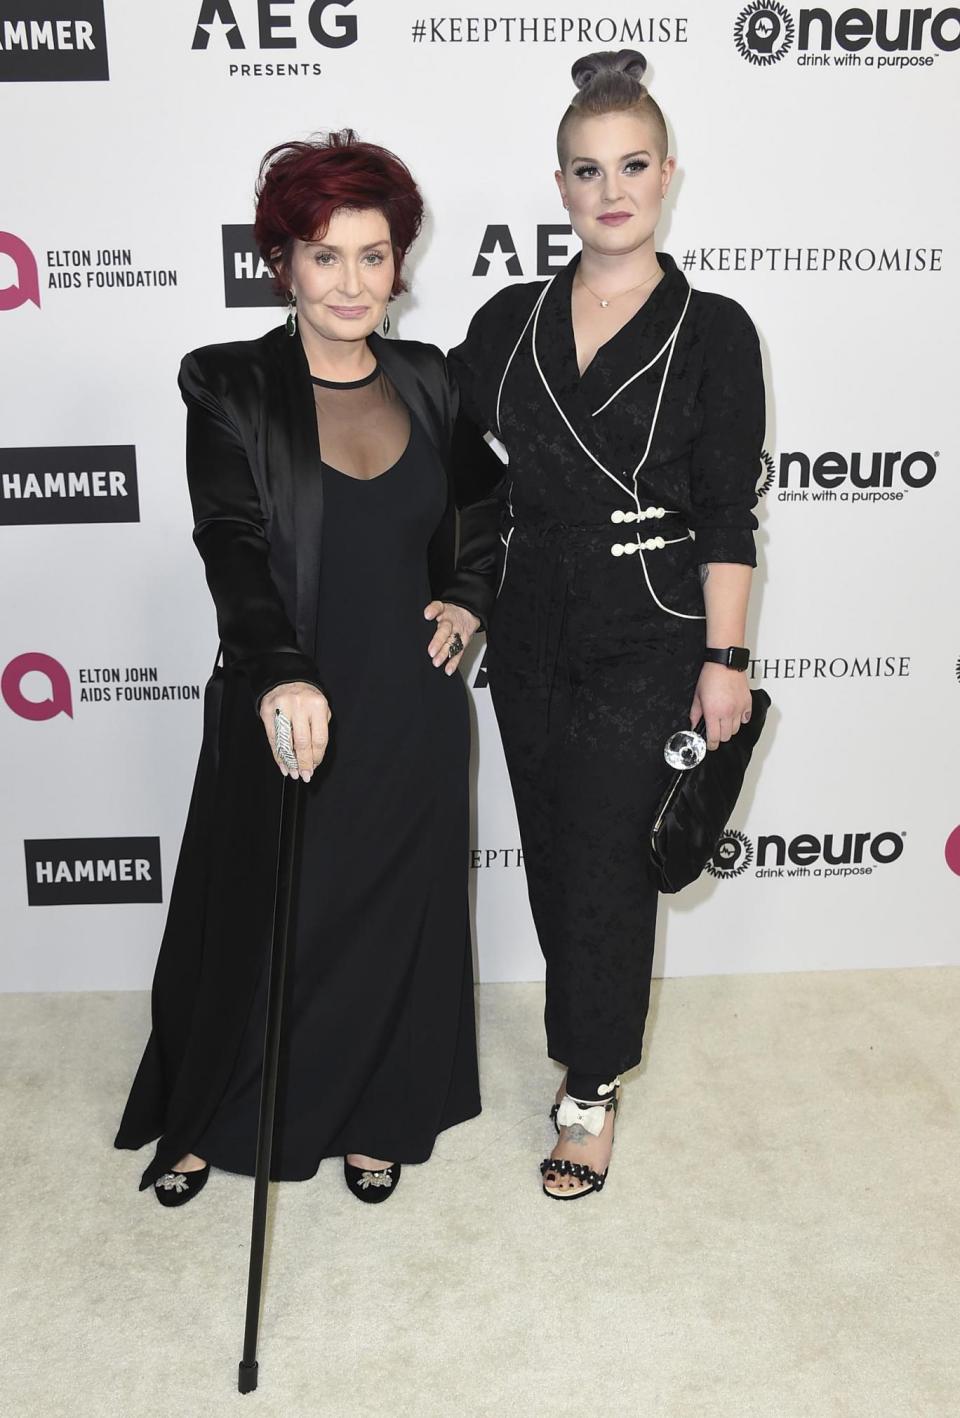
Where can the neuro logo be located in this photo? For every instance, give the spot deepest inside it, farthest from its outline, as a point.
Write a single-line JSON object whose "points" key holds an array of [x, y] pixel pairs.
{"points": [[952, 851], [60, 698], [27, 285], [763, 32], [768, 473], [880, 476], [732, 855]]}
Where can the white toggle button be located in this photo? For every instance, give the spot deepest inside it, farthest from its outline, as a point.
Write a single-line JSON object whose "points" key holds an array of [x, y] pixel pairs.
{"points": [[616, 549], [629, 516], [617, 516], [629, 548]]}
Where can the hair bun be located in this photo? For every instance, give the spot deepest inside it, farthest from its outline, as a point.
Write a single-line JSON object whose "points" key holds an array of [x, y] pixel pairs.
{"points": [[623, 61]]}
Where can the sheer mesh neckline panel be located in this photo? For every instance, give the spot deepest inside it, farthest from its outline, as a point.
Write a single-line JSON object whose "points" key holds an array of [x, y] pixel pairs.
{"points": [[364, 427]]}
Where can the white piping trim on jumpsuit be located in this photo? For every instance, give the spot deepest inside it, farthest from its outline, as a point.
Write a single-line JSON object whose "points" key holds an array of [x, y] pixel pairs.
{"points": [[618, 549], [503, 379], [669, 346]]}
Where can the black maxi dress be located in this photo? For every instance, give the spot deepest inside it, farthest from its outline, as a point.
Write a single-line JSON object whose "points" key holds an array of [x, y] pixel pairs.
{"points": [[378, 1048], [597, 636]]}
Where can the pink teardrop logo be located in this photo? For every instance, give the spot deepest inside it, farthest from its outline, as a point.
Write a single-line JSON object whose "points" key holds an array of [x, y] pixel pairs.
{"points": [[27, 284], [60, 700], [952, 851]]}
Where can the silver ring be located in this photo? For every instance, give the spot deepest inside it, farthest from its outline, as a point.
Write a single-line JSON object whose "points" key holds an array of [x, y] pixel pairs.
{"points": [[455, 646], [283, 739]]}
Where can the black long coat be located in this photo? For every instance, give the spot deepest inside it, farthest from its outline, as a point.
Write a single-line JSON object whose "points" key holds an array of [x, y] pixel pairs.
{"points": [[253, 467]]}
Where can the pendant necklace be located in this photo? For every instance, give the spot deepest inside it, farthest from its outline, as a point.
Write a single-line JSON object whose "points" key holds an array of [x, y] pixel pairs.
{"points": [[620, 294]]}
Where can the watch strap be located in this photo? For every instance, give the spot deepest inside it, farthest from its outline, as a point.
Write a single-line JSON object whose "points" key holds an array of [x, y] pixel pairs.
{"points": [[735, 657]]}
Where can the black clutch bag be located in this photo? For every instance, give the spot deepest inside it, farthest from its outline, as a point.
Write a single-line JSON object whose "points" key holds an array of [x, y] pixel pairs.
{"points": [[699, 802]]}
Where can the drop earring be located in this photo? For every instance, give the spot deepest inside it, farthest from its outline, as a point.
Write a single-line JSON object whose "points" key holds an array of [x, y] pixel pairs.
{"points": [[386, 322], [291, 323]]}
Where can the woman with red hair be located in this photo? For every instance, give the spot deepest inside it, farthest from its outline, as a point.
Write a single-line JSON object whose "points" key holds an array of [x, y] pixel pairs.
{"points": [[319, 473]]}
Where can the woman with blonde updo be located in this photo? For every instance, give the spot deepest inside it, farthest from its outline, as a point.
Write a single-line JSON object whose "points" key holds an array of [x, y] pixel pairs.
{"points": [[631, 408]]}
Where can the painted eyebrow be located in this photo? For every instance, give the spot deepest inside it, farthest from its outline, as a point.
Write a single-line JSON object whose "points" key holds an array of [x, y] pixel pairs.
{"points": [[373, 246], [641, 153]]}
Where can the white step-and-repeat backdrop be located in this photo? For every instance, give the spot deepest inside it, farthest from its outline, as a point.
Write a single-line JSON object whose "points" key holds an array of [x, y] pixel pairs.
{"points": [[816, 185]]}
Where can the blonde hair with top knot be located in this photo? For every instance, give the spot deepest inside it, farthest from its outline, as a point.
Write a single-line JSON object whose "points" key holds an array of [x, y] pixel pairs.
{"points": [[611, 82]]}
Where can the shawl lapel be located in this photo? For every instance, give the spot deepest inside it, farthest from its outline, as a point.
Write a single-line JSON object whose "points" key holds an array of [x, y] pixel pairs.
{"points": [[638, 342], [422, 394], [293, 460], [617, 442]]}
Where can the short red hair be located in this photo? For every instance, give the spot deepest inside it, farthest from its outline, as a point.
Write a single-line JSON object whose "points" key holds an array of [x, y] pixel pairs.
{"points": [[301, 185]]}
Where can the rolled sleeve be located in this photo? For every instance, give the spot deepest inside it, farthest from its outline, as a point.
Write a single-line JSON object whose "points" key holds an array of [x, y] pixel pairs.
{"points": [[726, 456]]}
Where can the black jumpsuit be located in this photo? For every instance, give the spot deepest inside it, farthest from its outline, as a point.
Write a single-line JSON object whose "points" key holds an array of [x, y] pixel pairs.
{"points": [[596, 640]]}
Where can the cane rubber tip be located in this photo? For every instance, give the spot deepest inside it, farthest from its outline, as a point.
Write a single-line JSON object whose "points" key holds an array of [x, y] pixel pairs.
{"points": [[247, 1380]]}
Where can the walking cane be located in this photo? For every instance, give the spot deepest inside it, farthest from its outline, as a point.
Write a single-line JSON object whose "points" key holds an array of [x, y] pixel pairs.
{"points": [[286, 847]]}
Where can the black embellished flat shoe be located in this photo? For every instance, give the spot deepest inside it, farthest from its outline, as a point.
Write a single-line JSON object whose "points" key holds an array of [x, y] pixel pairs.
{"points": [[584, 1120], [369, 1185], [177, 1188]]}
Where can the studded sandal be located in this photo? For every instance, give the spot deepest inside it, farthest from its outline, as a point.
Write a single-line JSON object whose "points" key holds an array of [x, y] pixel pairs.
{"points": [[590, 1117]]}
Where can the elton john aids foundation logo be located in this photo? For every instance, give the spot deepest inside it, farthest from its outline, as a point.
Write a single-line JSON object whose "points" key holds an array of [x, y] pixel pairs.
{"points": [[35, 686], [951, 851], [55, 696], [26, 286], [763, 32]]}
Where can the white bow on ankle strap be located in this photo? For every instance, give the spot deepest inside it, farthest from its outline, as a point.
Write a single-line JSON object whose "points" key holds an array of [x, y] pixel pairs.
{"points": [[591, 1118]]}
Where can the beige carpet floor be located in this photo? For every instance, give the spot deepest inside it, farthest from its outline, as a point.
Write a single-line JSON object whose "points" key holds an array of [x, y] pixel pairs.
{"points": [[780, 1236]]}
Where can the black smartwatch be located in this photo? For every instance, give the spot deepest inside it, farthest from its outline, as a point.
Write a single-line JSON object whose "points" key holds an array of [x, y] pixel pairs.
{"points": [[735, 657]]}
